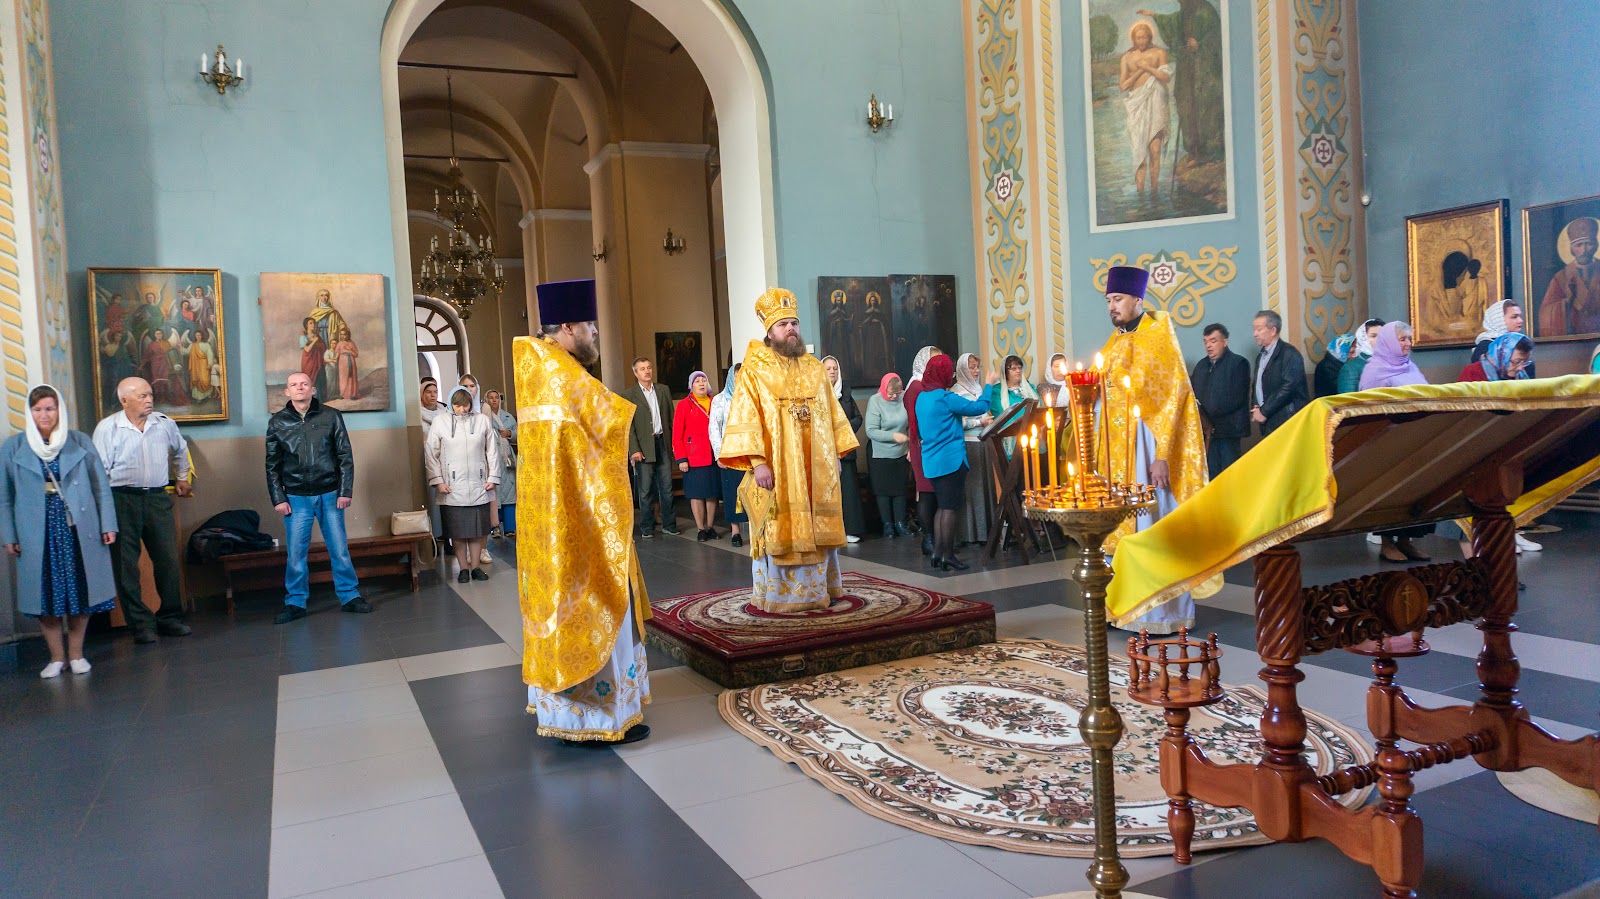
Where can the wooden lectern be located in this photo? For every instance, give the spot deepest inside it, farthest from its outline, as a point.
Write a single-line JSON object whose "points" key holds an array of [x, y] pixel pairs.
{"points": [[1416, 462], [1005, 478]]}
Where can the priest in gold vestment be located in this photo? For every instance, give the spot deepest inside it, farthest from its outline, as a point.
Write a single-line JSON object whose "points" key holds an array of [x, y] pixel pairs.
{"points": [[1169, 449], [583, 599], [788, 431]]}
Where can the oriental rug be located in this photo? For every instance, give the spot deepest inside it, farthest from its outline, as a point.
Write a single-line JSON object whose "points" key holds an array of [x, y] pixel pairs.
{"points": [[981, 746], [724, 637]]}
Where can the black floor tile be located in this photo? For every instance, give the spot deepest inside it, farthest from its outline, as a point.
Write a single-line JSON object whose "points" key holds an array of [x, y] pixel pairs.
{"points": [[474, 634]]}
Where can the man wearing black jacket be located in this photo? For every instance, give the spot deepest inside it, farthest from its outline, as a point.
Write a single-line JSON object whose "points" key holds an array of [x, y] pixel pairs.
{"points": [[310, 476], [1222, 388], [1280, 376]]}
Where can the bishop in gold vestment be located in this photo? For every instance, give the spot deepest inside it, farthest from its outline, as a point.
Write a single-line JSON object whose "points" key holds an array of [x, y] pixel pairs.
{"points": [[1169, 448], [583, 599], [788, 431]]}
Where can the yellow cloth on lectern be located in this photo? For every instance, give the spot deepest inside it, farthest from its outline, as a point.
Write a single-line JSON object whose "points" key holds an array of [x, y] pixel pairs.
{"points": [[1285, 486], [1151, 358], [784, 413], [575, 552]]}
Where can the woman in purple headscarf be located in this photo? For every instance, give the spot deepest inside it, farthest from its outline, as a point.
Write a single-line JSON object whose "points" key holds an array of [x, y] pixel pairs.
{"points": [[1391, 365]]}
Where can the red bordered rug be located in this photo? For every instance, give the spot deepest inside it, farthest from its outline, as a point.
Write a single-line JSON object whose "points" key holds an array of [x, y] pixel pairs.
{"points": [[724, 637]]}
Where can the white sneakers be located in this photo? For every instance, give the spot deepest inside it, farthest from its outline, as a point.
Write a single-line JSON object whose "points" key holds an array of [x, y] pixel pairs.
{"points": [[79, 666], [852, 538], [1374, 539], [484, 558], [1526, 545]]}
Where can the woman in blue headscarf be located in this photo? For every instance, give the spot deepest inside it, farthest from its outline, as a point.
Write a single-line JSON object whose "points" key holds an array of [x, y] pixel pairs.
{"points": [[731, 513], [1325, 378], [1507, 359]]}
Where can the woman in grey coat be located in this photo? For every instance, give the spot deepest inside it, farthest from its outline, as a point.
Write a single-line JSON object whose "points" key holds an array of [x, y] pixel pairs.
{"points": [[53, 490]]}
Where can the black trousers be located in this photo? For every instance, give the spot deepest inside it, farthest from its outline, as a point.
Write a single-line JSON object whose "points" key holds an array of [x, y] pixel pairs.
{"points": [[146, 518], [1221, 452], [653, 480]]}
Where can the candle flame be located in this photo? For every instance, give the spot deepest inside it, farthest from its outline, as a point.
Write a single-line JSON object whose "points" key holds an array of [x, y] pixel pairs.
{"points": [[1072, 470], [1135, 411], [1127, 382], [1099, 362], [1080, 366]]}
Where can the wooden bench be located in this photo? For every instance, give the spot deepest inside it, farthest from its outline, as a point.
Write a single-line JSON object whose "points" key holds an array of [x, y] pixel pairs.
{"points": [[372, 557]]}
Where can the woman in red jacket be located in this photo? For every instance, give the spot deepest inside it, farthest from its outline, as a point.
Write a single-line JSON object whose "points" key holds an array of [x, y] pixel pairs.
{"points": [[691, 446], [1506, 359]]}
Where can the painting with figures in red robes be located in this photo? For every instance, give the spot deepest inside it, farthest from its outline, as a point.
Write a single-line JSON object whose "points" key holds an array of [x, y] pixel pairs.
{"points": [[1561, 276], [165, 325]]}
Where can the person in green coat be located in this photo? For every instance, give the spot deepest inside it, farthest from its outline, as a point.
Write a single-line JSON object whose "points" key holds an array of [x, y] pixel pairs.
{"points": [[1350, 374], [1193, 36]]}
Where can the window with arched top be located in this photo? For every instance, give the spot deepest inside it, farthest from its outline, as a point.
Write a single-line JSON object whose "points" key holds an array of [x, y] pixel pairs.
{"points": [[441, 341]]}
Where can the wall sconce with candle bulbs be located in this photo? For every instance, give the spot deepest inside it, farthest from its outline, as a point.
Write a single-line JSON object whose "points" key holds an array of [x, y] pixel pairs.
{"points": [[879, 115], [672, 244], [219, 73]]}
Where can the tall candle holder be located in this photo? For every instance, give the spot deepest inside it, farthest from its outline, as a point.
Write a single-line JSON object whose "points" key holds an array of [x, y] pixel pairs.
{"points": [[1089, 508]]}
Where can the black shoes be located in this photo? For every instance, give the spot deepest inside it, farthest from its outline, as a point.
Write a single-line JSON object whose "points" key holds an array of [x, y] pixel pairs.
{"points": [[888, 532], [672, 529], [700, 536], [737, 540], [647, 534], [463, 576], [357, 606], [478, 575], [173, 628], [951, 563], [290, 613], [902, 530], [632, 735], [144, 635], [927, 544]]}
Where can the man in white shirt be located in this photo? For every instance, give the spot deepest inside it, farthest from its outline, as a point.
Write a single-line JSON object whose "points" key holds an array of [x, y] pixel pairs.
{"points": [[650, 449], [141, 450]]}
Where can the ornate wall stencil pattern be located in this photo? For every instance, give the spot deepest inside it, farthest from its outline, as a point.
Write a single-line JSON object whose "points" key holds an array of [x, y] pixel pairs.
{"points": [[1179, 281], [13, 343], [1002, 168], [1327, 211], [44, 178], [1267, 74], [1052, 172]]}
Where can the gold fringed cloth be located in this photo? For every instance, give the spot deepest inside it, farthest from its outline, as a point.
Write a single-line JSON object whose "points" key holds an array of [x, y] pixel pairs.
{"points": [[1151, 358], [784, 413], [575, 552], [1285, 486]]}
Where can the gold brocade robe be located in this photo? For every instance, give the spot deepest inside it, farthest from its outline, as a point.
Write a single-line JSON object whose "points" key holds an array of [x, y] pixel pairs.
{"points": [[784, 413], [575, 552], [1151, 357]]}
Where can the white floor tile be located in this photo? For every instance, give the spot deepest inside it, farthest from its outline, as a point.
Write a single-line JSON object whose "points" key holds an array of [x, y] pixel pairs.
{"points": [[354, 848], [348, 741], [1555, 655], [759, 833], [706, 772], [315, 793], [459, 661], [351, 705], [467, 878], [1043, 875], [673, 684], [677, 724], [338, 680], [914, 866]]}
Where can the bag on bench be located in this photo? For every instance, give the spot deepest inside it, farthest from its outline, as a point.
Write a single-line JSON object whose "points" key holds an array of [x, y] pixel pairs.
{"points": [[234, 531]]}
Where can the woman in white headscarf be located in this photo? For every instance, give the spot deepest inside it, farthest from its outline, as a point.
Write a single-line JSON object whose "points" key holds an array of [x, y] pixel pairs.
{"points": [[1052, 390], [979, 509], [463, 460], [54, 491], [927, 504], [504, 515]]}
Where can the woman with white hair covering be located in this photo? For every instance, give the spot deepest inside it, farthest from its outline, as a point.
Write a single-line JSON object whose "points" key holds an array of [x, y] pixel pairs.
{"points": [[979, 509]]}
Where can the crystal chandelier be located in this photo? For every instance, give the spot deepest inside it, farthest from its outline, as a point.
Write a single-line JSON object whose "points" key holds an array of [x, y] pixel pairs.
{"points": [[464, 270]]}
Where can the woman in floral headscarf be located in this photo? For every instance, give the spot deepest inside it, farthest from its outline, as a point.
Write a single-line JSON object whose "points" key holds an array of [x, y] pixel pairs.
{"points": [[1508, 358], [1360, 351], [1325, 378]]}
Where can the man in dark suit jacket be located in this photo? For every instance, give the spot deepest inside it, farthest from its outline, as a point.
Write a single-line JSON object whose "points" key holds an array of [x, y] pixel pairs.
{"points": [[650, 450], [1222, 388], [1279, 388]]}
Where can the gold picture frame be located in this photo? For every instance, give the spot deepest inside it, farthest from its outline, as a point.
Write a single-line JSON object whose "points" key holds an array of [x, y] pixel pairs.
{"points": [[1456, 267], [131, 309], [1550, 273]]}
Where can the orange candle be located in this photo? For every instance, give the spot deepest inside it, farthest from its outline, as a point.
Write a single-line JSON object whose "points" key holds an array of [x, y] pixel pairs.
{"points": [[1027, 482], [1050, 441], [1133, 445], [1072, 480], [1127, 421], [1033, 442]]}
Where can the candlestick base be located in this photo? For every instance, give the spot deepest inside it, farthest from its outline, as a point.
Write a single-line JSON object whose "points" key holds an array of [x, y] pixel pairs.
{"points": [[1089, 521]]}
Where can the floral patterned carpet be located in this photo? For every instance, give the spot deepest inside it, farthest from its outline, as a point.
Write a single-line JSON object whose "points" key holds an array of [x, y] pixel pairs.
{"points": [[981, 746]]}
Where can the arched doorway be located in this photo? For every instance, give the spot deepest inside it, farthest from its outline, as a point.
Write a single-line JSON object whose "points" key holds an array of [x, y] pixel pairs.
{"points": [[732, 74], [441, 343]]}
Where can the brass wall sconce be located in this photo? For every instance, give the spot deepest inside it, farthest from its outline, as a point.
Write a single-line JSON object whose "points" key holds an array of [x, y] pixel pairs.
{"points": [[672, 244], [219, 73], [879, 115], [599, 254]]}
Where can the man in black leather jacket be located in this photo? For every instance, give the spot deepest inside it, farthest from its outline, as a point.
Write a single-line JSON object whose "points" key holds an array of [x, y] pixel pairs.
{"points": [[1221, 384], [310, 475], [1279, 389]]}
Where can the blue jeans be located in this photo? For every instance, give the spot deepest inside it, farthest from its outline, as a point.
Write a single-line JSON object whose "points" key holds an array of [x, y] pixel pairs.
{"points": [[324, 510]]}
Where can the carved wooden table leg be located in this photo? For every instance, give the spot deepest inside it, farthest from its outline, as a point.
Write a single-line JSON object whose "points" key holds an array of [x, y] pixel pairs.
{"points": [[1280, 640], [1180, 810]]}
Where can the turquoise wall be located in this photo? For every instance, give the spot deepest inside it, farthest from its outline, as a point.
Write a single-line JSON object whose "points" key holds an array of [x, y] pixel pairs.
{"points": [[290, 173], [1465, 101], [850, 202], [1234, 304]]}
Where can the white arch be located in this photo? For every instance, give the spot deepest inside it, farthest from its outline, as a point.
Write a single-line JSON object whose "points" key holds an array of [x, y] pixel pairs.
{"points": [[719, 49]]}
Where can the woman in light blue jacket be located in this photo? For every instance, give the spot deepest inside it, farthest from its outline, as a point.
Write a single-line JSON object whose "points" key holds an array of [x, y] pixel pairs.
{"points": [[887, 467], [944, 456], [58, 520]]}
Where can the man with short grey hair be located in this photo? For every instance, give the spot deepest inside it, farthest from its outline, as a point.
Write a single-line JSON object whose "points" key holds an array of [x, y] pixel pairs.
{"points": [[1279, 389], [650, 449], [142, 452]]}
